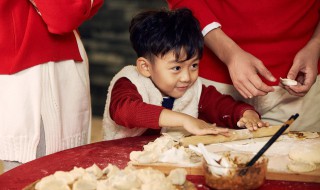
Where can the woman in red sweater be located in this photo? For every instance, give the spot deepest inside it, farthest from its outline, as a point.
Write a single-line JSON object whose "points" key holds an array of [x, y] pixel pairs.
{"points": [[45, 97], [250, 45]]}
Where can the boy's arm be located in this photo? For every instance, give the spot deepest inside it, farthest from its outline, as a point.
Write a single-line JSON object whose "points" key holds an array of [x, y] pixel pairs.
{"points": [[172, 119], [221, 109], [128, 109]]}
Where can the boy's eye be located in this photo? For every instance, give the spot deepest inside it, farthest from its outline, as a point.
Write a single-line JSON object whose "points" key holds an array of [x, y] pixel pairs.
{"points": [[195, 66], [177, 68]]}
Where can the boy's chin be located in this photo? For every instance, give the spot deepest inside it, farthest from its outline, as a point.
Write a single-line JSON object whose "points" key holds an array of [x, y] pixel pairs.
{"points": [[176, 96]]}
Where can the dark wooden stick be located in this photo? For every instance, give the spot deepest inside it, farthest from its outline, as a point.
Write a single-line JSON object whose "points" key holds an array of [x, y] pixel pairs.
{"points": [[271, 141]]}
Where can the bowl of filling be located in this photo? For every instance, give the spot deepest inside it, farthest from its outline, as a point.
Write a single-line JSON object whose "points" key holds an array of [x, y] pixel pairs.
{"points": [[230, 171]]}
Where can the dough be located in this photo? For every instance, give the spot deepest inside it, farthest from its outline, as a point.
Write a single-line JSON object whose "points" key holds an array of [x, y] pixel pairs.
{"points": [[301, 167], [111, 177], [52, 183], [95, 171], [177, 176], [164, 150], [84, 184], [288, 82], [306, 152]]}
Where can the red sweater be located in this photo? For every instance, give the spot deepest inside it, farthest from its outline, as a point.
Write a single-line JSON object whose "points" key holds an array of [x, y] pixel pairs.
{"points": [[272, 30], [128, 109], [28, 39]]}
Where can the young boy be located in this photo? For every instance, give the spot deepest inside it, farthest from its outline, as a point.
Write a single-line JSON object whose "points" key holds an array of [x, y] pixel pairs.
{"points": [[163, 89]]}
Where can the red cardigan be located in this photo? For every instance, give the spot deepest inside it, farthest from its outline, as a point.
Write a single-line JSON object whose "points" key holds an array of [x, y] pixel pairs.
{"points": [[128, 109], [272, 30], [28, 39]]}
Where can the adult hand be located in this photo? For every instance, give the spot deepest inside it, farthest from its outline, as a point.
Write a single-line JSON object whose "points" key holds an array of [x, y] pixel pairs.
{"points": [[244, 69], [304, 69]]}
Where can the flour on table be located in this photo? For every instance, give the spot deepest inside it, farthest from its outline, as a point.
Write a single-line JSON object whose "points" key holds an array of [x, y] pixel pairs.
{"points": [[279, 148], [287, 150], [301, 135]]}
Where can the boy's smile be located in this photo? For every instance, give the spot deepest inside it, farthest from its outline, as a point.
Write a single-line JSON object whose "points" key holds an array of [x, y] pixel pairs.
{"points": [[173, 78]]}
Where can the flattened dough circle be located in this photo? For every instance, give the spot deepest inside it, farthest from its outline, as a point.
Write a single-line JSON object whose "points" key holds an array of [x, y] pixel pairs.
{"points": [[306, 153], [301, 167]]}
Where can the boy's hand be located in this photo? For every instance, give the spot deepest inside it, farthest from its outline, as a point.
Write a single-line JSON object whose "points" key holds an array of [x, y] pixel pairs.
{"points": [[172, 119], [200, 127], [251, 121]]}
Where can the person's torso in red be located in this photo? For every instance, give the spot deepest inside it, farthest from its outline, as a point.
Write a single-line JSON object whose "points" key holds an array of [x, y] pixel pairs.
{"points": [[273, 31], [28, 39]]}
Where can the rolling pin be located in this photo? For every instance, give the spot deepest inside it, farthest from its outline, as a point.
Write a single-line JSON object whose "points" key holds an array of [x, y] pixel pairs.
{"points": [[239, 134]]}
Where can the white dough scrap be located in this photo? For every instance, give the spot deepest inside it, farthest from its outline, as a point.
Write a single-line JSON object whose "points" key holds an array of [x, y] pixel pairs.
{"points": [[175, 155]]}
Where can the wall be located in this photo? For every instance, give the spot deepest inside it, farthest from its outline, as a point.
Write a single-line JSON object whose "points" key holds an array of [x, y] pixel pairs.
{"points": [[106, 39]]}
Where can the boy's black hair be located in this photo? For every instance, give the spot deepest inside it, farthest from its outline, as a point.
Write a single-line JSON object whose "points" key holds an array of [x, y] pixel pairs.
{"points": [[155, 33]]}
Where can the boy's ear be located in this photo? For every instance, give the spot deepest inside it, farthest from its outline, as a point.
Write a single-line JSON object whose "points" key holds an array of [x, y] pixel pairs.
{"points": [[143, 66]]}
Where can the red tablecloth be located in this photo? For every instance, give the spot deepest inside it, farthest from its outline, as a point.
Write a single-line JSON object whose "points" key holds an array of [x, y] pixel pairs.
{"points": [[115, 152]]}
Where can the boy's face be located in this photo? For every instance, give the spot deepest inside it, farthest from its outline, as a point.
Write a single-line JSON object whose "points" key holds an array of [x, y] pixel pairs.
{"points": [[173, 78]]}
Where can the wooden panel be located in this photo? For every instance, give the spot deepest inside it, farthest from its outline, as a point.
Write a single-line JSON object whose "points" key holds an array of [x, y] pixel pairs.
{"points": [[313, 176]]}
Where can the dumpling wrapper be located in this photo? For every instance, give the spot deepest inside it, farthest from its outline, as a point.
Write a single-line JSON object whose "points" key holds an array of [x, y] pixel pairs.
{"points": [[306, 152], [301, 167], [288, 82]]}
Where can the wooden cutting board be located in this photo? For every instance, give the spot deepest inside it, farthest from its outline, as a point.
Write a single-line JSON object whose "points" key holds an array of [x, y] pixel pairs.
{"points": [[313, 176], [282, 160]]}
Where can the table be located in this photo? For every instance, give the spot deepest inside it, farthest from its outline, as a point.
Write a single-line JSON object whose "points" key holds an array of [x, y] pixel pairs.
{"points": [[101, 153]]}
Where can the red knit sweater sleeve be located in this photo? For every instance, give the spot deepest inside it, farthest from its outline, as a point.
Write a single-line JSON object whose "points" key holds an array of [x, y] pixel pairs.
{"points": [[199, 9], [220, 109], [128, 109], [63, 16]]}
